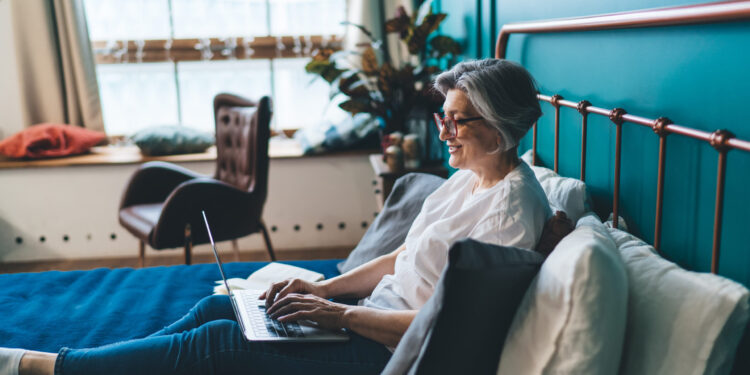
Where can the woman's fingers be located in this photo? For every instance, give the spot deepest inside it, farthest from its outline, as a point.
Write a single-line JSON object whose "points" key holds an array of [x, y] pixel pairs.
{"points": [[286, 309], [293, 286], [281, 302], [293, 307], [299, 315], [270, 294]]}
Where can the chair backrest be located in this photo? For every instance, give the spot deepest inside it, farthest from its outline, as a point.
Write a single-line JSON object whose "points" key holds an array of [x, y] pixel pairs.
{"points": [[242, 134]]}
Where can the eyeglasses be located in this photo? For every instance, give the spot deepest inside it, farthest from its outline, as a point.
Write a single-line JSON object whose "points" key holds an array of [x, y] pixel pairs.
{"points": [[450, 124]]}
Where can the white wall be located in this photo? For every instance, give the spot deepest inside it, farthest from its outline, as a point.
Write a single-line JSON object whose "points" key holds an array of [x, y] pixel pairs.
{"points": [[82, 201], [11, 118]]}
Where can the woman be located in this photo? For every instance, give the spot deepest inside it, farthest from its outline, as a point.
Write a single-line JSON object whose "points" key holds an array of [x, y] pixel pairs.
{"points": [[489, 105]]}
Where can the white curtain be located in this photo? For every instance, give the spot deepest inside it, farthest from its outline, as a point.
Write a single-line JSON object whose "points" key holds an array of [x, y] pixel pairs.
{"points": [[55, 63], [372, 15]]}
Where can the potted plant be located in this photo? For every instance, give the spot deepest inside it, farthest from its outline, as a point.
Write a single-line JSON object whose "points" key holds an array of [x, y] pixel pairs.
{"points": [[374, 85]]}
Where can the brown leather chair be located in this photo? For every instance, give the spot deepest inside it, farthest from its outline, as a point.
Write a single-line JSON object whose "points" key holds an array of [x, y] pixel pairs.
{"points": [[162, 203]]}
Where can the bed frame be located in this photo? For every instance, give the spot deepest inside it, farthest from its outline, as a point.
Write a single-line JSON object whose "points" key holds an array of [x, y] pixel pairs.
{"points": [[722, 140]]}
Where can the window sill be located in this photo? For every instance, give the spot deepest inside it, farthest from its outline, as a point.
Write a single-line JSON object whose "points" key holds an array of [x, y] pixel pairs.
{"points": [[278, 148]]}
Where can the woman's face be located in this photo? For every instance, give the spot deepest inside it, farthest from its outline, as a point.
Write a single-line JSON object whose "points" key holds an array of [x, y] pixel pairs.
{"points": [[474, 140]]}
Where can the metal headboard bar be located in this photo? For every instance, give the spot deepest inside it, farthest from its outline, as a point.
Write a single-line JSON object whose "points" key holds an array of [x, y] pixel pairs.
{"points": [[724, 11], [721, 140]]}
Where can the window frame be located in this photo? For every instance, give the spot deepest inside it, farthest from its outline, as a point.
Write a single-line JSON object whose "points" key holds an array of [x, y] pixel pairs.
{"points": [[176, 50], [263, 47]]}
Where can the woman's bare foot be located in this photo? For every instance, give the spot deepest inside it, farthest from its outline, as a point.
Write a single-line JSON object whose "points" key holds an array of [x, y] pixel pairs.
{"points": [[37, 363]]}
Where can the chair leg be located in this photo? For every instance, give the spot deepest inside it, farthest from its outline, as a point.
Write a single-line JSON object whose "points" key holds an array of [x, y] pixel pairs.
{"points": [[236, 248], [268, 241], [141, 254], [188, 243]]}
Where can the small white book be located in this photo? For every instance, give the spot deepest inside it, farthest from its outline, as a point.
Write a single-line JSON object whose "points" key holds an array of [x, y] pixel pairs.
{"points": [[269, 274]]}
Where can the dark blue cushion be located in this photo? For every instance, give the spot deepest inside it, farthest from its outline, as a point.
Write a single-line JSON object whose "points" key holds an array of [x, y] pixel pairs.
{"points": [[172, 140], [48, 310], [461, 329]]}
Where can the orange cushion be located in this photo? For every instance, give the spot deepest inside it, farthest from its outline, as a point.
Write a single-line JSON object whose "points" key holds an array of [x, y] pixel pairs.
{"points": [[50, 140]]}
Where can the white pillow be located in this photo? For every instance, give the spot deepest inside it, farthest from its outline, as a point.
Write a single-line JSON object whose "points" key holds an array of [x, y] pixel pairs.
{"points": [[563, 193], [572, 318], [679, 322]]}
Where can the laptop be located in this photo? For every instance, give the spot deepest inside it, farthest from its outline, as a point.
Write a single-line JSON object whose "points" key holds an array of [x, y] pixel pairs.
{"points": [[256, 325]]}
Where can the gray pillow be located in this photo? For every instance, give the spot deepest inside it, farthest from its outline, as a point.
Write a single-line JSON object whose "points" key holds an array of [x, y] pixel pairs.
{"points": [[172, 139], [462, 327], [389, 229]]}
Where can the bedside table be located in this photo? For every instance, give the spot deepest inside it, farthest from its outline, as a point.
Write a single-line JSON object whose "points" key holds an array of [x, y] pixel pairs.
{"points": [[384, 178]]}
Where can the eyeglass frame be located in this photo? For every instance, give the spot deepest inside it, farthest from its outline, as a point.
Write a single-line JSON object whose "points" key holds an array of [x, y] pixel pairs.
{"points": [[442, 122]]}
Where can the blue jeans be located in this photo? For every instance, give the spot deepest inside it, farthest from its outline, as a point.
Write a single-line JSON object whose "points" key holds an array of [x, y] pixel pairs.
{"points": [[208, 340]]}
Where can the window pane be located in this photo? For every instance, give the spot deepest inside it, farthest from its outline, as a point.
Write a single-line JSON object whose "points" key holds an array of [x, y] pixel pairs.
{"points": [[127, 20], [300, 97], [201, 81], [307, 17], [219, 18], [135, 96]]}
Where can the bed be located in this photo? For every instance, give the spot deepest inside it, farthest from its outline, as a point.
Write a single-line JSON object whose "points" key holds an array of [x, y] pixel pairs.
{"points": [[47, 310]]}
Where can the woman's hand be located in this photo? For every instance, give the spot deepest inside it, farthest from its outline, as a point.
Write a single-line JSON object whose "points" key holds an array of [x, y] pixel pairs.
{"points": [[295, 306], [281, 289]]}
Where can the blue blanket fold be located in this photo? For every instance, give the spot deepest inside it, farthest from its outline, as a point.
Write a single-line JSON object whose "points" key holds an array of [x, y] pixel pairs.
{"points": [[79, 309]]}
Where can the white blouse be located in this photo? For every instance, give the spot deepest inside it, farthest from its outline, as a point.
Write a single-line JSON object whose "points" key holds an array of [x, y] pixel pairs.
{"points": [[511, 213]]}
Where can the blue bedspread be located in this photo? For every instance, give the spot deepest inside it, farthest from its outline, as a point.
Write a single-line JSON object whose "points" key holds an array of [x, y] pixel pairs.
{"points": [[48, 310]]}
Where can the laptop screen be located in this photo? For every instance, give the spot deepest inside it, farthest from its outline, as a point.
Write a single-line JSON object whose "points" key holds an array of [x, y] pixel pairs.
{"points": [[216, 253]]}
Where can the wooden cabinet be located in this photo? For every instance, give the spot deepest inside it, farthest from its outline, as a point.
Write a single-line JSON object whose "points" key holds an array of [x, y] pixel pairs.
{"points": [[384, 178]]}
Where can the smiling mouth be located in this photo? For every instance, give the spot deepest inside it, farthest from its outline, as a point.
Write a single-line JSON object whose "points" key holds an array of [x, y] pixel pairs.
{"points": [[453, 148]]}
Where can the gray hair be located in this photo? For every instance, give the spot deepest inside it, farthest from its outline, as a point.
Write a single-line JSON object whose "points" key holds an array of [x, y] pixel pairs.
{"points": [[503, 92]]}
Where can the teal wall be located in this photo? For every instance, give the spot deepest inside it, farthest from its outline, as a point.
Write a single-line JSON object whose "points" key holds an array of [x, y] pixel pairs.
{"points": [[697, 76]]}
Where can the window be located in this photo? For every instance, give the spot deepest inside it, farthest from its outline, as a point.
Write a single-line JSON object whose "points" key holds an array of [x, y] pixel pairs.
{"points": [[162, 61]]}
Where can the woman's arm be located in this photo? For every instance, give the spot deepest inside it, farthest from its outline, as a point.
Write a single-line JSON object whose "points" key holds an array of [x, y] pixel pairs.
{"points": [[384, 326], [361, 281], [357, 283]]}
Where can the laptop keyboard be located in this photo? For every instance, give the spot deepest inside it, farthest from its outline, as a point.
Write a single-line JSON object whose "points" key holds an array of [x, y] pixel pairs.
{"points": [[273, 328], [264, 326]]}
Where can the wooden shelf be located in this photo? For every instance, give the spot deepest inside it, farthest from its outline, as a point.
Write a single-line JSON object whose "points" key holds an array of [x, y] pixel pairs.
{"points": [[278, 148]]}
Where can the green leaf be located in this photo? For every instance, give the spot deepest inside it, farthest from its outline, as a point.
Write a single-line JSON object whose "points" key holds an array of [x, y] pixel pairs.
{"points": [[369, 61], [358, 90], [423, 11], [362, 28], [353, 86], [445, 45], [325, 69], [354, 106], [315, 67], [331, 74], [398, 24], [347, 80], [432, 22], [417, 39], [385, 79]]}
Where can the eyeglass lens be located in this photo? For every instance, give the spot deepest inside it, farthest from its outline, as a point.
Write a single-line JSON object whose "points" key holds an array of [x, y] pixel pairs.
{"points": [[450, 125]]}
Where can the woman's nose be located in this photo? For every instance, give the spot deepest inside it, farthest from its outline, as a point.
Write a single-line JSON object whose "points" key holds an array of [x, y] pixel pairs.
{"points": [[444, 134]]}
